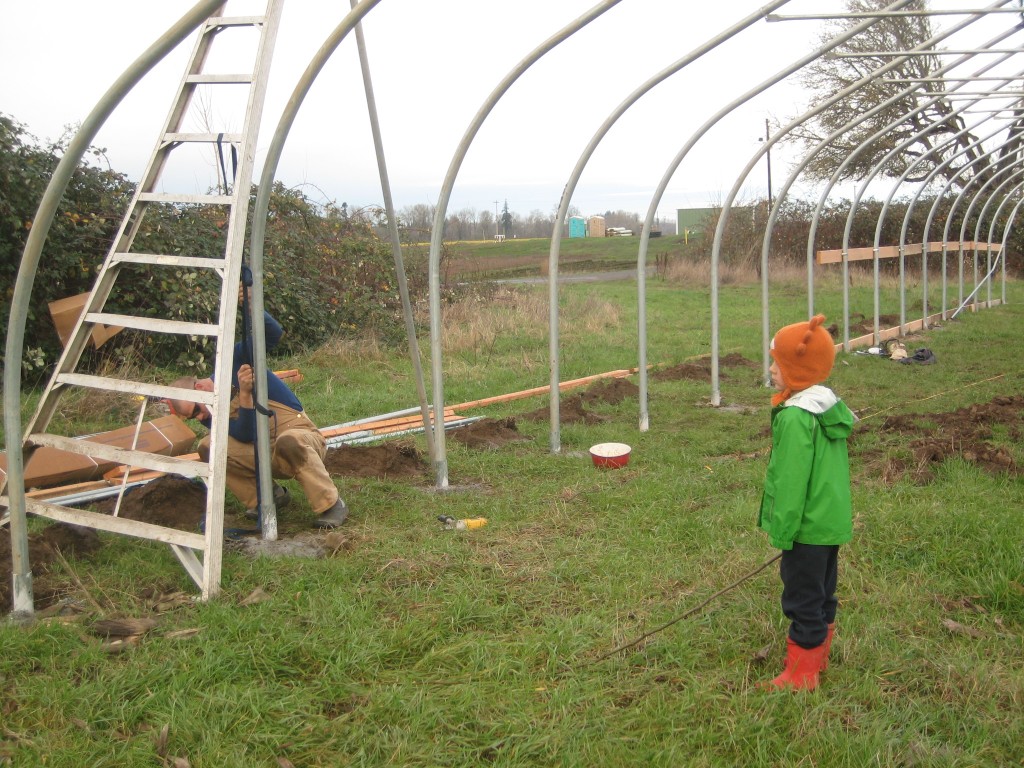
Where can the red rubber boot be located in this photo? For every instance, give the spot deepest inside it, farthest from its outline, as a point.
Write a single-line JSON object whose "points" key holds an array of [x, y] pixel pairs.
{"points": [[802, 667], [828, 645]]}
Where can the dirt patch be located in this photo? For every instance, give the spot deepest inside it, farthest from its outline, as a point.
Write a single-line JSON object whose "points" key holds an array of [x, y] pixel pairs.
{"points": [[171, 501], [45, 549], [489, 433], [570, 411], [965, 433], [700, 370], [387, 460], [573, 409], [610, 392], [862, 325]]}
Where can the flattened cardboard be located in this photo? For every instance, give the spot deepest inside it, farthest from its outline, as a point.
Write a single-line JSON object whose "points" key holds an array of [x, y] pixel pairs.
{"points": [[65, 314], [167, 435]]}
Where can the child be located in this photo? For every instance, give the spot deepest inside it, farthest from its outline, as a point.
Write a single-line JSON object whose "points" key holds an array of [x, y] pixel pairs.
{"points": [[806, 508]]}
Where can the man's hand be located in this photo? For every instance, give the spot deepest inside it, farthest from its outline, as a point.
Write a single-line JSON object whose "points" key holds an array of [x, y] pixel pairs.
{"points": [[245, 375]]}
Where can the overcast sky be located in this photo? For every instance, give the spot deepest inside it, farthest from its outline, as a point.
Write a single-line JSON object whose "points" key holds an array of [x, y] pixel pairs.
{"points": [[433, 64]]}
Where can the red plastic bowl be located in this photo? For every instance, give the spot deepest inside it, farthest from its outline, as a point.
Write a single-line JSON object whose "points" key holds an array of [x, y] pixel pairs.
{"points": [[610, 455]]}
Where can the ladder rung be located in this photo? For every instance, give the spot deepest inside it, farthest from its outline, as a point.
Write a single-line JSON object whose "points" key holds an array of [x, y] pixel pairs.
{"points": [[104, 522], [166, 197], [219, 79], [125, 456], [203, 138], [235, 21], [154, 324], [168, 260], [156, 391]]}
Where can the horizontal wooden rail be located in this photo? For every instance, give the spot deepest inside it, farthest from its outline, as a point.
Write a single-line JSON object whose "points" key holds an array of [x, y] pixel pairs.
{"points": [[835, 255]]}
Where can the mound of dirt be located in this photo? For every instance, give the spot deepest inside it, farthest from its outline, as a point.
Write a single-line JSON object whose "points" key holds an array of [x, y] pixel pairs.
{"points": [[863, 325], [610, 391], [570, 411], [573, 409], [172, 501], [489, 433], [45, 548], [384, 460], [965, 433], [700, 370]]}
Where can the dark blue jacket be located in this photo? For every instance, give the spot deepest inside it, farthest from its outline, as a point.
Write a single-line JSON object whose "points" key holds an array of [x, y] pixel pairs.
{"points": [[243, 427]]}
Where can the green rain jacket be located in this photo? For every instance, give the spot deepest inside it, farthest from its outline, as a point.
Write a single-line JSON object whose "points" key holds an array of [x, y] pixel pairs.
{"points": [[807, 487]]}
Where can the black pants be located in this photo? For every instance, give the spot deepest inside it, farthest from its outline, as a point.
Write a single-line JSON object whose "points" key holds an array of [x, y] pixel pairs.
{"points": [[809, 573]]}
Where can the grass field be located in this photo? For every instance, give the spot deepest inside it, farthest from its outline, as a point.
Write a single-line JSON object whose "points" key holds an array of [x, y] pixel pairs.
{"points": [[416, 646], [529, 257]]}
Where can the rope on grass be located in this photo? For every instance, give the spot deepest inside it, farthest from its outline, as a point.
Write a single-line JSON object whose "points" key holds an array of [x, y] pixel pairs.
{"points": [[930, 397], [688, 613]]}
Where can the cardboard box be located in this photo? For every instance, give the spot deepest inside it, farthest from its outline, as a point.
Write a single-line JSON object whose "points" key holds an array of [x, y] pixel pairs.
{"points": [[168, 435], [65, 313]]}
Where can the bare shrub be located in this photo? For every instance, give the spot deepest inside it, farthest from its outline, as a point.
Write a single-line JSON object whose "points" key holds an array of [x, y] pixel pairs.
{"points": [[697, 273], [475, 321], [345, 351]]}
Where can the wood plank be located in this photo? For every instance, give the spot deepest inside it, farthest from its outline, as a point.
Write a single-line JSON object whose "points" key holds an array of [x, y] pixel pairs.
{"points": [[411, 419], [835, 255], [572, 383]]}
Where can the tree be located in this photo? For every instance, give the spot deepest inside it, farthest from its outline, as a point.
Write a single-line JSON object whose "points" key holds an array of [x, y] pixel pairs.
{"points": [[328, 272], [86, 221], [506, 221], [939, 132]]}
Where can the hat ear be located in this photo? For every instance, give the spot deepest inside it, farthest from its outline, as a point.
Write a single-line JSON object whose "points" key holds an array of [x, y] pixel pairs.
{"points": [[815, 322]]}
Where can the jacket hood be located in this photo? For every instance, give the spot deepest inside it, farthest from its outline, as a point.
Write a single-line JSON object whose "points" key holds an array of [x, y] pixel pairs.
{"points": [[816, 399], [835, 418]]}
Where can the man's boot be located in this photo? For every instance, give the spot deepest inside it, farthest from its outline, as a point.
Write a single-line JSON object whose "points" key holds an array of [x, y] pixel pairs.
{"points": [[333, 517], [281, 500], [802, 667]]}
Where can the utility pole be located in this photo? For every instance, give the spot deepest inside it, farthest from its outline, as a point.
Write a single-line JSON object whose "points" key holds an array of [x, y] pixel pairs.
{"points": [[496, 220], [768, 155]]}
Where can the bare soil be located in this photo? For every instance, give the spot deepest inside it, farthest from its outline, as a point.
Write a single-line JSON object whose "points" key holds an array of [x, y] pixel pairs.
{"points": [[489, 433], [700, 370], [966, 433], [387, 460], [575, 408]]}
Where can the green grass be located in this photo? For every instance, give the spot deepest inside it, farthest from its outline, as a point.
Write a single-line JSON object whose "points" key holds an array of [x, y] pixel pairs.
{"points": [[415, 646], [528, 257]]}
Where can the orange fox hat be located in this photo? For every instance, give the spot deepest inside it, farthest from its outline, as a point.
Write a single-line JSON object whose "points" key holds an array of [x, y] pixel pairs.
{"points": [[804, 353]]}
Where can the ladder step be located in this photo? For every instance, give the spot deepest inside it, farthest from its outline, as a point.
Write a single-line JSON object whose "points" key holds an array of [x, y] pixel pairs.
{"points": [[154, 324], [165, 197], [144, 459], [168, 260], [202, 138], [215, 22], [112, 524], [155, 391], [201, 79]]}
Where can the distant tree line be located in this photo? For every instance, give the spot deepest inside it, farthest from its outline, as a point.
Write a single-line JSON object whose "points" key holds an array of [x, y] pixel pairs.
{"points": [[417, 221]]}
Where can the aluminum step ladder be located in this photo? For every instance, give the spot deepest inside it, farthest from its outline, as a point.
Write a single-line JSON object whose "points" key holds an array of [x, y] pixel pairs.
{"points": [[204, 90]]}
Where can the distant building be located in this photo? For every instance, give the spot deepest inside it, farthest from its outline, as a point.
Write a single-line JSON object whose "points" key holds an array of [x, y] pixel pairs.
{"points": [[577, 226], [691, 222], [595, 226]]}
